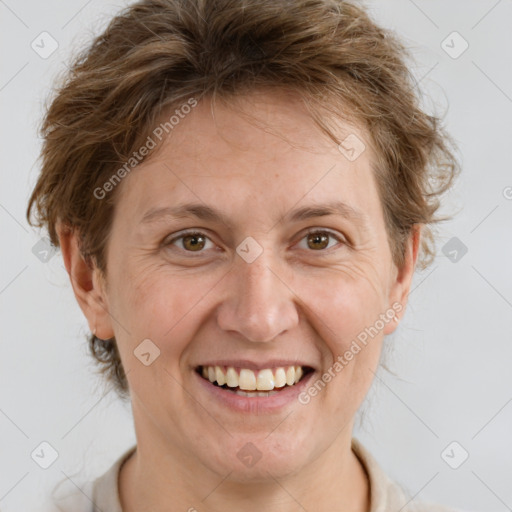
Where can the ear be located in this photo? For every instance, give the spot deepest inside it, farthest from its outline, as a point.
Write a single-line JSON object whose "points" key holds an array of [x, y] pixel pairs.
{"points": [[400, 288], [87, 282]]}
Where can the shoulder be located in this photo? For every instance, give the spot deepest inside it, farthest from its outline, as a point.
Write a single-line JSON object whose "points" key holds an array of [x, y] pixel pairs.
{"points": [[77, 495], [71, 494], [386, 494]]}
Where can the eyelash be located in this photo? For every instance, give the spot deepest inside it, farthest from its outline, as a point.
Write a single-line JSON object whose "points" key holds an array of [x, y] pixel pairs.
{"points": [[312, 231]]}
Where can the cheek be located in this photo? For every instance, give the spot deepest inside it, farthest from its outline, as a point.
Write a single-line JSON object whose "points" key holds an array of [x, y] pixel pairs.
{"points": [[346, 314], [344, 302], [345, 307], [153, 303]]}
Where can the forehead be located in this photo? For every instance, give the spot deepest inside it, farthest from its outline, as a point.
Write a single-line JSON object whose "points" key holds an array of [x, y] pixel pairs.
{"points": [[263, 152], [262, 124]]}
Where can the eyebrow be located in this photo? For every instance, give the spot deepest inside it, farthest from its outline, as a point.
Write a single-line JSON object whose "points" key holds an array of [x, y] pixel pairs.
{"points": [[207, 213]]}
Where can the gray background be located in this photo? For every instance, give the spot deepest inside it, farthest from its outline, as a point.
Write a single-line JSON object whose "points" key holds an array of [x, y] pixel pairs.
{"points": [[452, 353]]}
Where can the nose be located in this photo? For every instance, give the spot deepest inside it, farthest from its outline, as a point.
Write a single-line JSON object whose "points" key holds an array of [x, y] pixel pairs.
{"points": [[259, 305]]}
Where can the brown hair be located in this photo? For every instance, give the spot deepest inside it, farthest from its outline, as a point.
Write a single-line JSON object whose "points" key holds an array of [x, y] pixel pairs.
{"points": [[157, 54]]}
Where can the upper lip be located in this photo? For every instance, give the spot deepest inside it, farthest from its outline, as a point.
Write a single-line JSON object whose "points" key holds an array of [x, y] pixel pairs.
{"points": [[253, 365]]}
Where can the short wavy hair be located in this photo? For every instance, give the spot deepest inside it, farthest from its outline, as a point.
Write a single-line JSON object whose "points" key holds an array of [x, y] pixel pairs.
{"points": [[156, 54]]}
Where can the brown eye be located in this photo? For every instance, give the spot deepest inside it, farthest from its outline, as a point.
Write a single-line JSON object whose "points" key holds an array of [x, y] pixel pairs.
{"points": [[194, 242], [190, 242], [318, 240]]}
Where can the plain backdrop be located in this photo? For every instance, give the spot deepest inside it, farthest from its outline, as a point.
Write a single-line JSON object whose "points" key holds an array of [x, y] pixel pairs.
{"points": [[452, 354]]}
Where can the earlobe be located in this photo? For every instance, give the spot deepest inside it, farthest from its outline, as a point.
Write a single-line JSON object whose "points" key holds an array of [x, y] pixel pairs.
{"points": [[86, 282], [401, 287]]}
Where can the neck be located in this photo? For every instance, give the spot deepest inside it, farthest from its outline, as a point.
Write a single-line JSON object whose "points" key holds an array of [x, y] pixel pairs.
{"points": [[336, 480]]}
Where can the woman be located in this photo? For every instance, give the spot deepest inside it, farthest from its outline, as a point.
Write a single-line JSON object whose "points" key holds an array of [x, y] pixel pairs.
{"points": [[242, 191]]}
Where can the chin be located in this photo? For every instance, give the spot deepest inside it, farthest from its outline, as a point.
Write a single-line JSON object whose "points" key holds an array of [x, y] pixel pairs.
{"points": [[258, 460]]}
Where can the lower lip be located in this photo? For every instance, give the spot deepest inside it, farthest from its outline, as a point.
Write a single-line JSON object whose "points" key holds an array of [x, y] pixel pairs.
{"points": [[257, 404]]}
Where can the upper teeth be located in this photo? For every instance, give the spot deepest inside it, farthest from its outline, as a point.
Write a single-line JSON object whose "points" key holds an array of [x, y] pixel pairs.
{"points": [[264, 380]]}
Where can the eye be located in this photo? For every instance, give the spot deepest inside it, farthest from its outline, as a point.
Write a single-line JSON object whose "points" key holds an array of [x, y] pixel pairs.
{"points": [[318, 240], [190, 241], [196, 241]]}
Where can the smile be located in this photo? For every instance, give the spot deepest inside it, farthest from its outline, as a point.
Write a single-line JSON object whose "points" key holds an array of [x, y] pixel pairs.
{"points": [[249, 383]]}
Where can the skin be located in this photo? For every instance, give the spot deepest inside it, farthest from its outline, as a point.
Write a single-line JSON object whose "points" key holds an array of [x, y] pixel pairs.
{"points": [[295, 301]]}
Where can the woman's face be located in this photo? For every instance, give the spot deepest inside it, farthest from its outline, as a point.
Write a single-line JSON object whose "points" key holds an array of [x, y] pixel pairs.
{"points": [[252, 291]]}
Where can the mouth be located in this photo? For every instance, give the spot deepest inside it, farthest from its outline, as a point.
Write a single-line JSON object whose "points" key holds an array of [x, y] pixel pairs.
{"points": [[249, 383]]}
